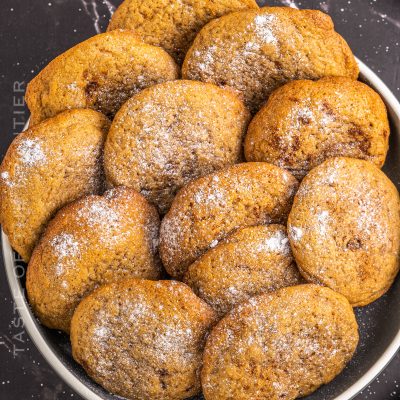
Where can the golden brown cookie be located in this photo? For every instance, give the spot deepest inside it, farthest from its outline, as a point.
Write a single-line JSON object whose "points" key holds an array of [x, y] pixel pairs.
{"points": [[210, 208], [249, 262], [45, 168], [344, 229], [151, 336], [100, 73], [172, 133], [306, 122], [256, 51], [281, 345], [93, 241], [172, 24]]}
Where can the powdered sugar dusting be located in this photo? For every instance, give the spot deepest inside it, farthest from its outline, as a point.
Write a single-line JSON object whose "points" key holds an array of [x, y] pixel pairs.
{"points": [[65, 248], [323, 219], [5, 177], [98, 212], [214, 210], [214, 243], [263, 27], [348, 212], [65, 245], [299, 335], [164, 333], [31, 152], [277, 243], [296, 233]]}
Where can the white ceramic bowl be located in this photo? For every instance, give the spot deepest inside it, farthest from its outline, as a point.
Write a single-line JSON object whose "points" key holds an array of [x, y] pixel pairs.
{"points": [[379, 322]]}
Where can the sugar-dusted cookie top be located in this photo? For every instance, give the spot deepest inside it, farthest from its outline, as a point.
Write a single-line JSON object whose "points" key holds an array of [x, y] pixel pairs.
{"points": [[100, 73], [256, 51], [344, 229], [172, 24]]}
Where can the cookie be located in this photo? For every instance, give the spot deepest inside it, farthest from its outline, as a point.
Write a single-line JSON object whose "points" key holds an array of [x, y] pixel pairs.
{"points": [[249, 262], [306, 122], [172, 24], [256, 51], [281, 345], [93, 241], [151, 336], [47, 167], [210, 208], [100, 73], [172, 133], [344, 229]]}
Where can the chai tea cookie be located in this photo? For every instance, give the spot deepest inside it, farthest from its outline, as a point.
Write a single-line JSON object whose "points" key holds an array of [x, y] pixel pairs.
{"points": [[45, 168], [96, 240], [306, 122], [151, 336], [249, 262], [344, 229], [210, 208], [100, 73], [256, 51], [172, 24], [281, 345], [172, 133]]}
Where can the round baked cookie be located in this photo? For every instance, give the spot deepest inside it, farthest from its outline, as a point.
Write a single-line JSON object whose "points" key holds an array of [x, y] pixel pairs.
{"points": [[249, 262], [45, 168], [210, 208], [172, 133], [172, 24], [281, 345], [100, 73], [305, 122], [344, 229], [151, 335], [93, 241], [256, 51]]}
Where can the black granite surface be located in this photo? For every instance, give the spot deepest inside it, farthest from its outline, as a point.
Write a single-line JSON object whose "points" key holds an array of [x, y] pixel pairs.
{"points": [[32, 32]]}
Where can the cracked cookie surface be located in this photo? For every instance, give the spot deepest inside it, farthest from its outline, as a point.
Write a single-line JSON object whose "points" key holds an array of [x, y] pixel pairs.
{"points": [[91, 242], [256, 52], [306, 122], [151, 335], [249, 262], [100, 73], [47, 167], [344, 229], [172, 24], [210, 208], [172, 133], [281, 345]]}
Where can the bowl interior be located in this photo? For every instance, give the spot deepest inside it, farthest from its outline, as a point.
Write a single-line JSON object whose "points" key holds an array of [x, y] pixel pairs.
{"points": [[379, 322]]}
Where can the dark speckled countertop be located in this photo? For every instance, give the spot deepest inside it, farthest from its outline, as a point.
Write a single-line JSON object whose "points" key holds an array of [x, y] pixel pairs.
{"points": [[32, 32]]}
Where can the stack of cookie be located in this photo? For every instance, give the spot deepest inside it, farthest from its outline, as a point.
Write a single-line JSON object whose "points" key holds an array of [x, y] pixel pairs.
{"points": [[212, 233]]}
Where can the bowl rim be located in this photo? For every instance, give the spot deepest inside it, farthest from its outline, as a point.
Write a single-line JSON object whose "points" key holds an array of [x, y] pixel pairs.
{"points": [[393, 106]]}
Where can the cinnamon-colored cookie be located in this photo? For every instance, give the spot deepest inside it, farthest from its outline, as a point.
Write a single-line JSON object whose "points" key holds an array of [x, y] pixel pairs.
{"points": [[100, 73], [210, 208], [281, 345], [344, 229], [47, 167], [256, 51], [172, 24], [143, 340], [172, 133], [93, 241], [306, 122], [249, 262]]}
